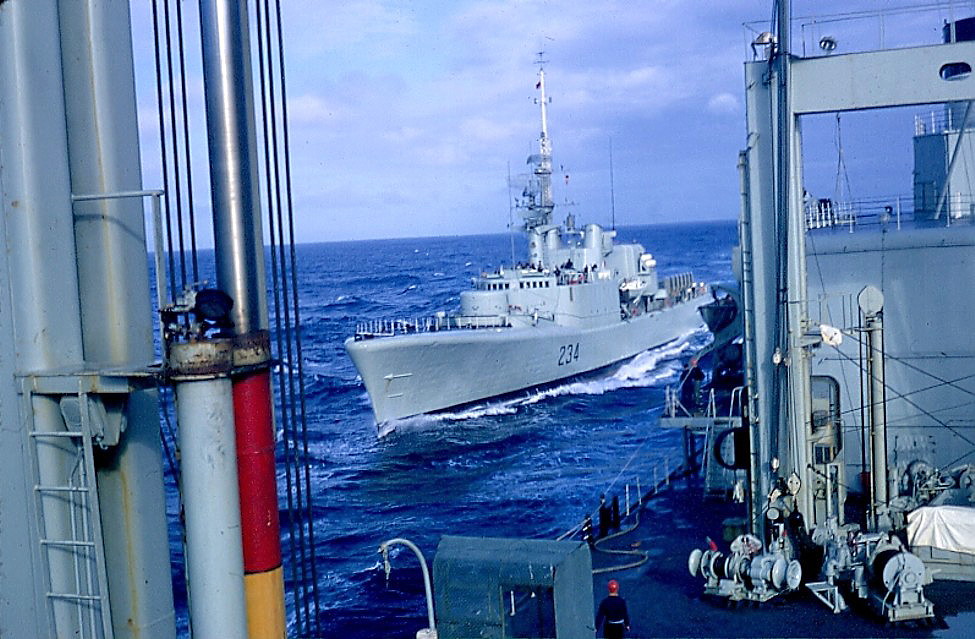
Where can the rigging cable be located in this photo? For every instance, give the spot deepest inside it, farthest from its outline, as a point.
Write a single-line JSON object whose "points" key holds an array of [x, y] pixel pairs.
{"points": [[163, 154], [295, 568], [290, 372], [919, 408], [186, 141], [294, 287], [171, 94]]}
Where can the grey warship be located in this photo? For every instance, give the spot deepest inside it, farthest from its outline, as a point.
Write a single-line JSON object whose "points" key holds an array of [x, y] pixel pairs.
{"points": [[578, 304]]}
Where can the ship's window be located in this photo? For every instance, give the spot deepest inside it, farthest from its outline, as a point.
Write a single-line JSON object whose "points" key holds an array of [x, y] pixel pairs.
{"points": [[825, 418], [955, 71], [529, 611]]}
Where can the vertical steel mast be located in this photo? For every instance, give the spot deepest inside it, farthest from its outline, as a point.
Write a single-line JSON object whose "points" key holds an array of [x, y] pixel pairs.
{"points": [[240, 273], [544, 169], [774, 274], [795, 413], [88, 555]]}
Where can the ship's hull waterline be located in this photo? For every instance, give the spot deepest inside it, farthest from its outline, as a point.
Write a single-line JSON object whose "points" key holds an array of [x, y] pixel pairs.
{"points": [[409, 375]]}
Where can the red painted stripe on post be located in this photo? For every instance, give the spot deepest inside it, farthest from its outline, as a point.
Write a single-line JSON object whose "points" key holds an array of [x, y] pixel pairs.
{"points": [[256, 473]]}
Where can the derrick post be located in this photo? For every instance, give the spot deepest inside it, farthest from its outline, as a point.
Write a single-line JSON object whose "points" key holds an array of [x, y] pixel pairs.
{"points": [[200, 371], [240, 273]]}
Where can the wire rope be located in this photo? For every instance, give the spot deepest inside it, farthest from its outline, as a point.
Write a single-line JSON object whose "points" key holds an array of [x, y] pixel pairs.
{"points": [[296, 568], [302, 406], [171, 275], [178, 190], [186, 140]]}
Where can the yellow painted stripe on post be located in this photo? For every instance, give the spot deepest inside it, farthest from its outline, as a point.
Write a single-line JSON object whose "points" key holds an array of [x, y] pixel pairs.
{"points": [[265, 604]]}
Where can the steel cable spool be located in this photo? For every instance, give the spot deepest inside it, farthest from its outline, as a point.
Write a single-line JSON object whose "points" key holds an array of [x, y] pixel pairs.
{"points": [[892, 568]]}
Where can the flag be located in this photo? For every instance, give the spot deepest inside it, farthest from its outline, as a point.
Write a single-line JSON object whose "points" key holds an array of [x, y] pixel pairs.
{"points": [[538, 85]]}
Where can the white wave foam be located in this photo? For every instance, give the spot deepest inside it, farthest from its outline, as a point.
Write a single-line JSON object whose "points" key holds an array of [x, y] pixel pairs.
{"points": [[436, 420]]}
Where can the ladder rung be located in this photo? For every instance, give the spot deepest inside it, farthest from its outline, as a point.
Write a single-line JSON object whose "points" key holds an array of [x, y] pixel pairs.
{"points": [[68, 595], [58, 433], [68, 542], [62, 489]]}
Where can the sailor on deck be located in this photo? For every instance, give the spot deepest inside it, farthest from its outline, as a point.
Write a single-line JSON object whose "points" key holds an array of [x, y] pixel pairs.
{"points": [[612, 611]]}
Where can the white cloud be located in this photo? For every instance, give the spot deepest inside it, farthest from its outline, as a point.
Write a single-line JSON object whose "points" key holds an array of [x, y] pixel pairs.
{"points": [[312, 109], [723, 103], [428, 102]]}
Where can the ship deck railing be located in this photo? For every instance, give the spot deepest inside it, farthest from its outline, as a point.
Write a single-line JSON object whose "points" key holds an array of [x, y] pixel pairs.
{"points": [[410, 326], [883, 28], [893, 212]]}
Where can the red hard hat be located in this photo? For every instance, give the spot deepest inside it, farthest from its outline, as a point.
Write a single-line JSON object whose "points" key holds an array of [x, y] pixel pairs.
{"points": [[613, 586]]}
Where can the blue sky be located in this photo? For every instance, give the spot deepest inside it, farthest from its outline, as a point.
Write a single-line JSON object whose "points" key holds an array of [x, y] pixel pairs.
{"points": [[405, 116]]}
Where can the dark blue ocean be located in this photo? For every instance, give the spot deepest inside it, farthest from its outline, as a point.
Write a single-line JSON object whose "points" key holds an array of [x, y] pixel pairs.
{"points": [[532, 466]]}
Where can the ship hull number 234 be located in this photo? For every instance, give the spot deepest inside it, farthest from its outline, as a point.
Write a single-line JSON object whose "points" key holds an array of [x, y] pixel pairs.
{"points": [[568, 354]]}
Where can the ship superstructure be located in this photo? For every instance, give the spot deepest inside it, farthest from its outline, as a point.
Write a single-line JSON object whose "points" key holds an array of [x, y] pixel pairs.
{"points": [[578, 303], [854, 432]]}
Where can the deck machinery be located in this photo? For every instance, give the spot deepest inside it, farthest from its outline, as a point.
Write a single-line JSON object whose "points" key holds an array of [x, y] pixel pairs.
{"points": [[858, 390]]}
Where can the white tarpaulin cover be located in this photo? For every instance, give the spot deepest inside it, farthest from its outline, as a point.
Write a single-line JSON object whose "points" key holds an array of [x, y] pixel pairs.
{"points": [[946, 527]]}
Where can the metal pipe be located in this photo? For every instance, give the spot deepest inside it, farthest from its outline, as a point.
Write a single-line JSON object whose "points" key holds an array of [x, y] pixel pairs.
{"points": [[878, 415], [239, 252], [233, 161], [42, 330], [211, 501], [116, 309], [759, 282], [384, 548]]}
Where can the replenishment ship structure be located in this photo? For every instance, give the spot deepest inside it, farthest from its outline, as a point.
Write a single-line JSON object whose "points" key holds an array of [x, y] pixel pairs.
{"points": [[853, 439], [578, 303]]}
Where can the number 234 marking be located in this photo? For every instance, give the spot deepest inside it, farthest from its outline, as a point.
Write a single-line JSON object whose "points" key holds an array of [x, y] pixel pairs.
{"points": [[568, 353]]}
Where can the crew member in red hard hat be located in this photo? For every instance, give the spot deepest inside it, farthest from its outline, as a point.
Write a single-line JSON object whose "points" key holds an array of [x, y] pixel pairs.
{"points": [[612, 614]]}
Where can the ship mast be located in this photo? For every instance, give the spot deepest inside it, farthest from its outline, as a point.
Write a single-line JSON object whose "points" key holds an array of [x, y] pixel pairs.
{"points": [[544, 168], [538, 211]]}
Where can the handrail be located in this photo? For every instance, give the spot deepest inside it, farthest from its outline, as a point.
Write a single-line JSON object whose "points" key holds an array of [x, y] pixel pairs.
{"points": [[409, 326], [384, 549], [157, 237]]}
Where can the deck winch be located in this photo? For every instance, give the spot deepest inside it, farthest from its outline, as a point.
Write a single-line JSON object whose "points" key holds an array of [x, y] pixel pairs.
{"points": [[874, 567], [747, 574]]}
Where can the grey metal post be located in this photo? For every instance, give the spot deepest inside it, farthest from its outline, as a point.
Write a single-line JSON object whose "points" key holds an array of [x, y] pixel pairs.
{"points": [[794, 418], [116, 311], [42, 330], [800, 413], [756, 522], [871, 302], [211, 502], [761, 311], [233, 161]]}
